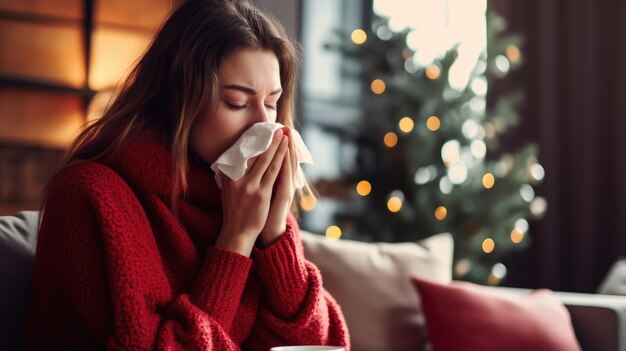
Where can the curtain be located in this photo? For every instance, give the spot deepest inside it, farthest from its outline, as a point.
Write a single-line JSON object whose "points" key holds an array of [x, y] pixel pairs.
{"points": [[574, 78]]}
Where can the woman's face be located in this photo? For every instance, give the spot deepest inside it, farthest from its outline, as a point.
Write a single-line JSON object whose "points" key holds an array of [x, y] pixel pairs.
{"points": [[249, 94]]}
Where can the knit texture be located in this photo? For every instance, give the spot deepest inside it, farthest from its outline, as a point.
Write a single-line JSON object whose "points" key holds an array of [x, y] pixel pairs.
{"points": [[116, 270]]}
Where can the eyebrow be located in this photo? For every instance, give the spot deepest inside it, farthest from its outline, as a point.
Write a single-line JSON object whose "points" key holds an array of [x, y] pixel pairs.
{"points": [[249, 90]]}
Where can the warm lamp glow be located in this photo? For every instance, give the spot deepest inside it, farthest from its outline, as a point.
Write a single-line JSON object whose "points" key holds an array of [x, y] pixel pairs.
{"points": [[114, 52]]}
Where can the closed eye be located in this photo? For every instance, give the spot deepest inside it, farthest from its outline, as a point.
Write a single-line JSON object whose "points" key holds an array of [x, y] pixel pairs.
{"points": [[236, 107]]}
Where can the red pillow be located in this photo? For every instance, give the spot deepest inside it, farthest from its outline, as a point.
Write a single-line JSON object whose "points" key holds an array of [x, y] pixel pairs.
{"points": [[464, 316]]}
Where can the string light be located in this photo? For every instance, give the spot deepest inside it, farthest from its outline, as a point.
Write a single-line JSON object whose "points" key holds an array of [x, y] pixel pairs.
{"points": [[498, 272], [425, 174], [521, 225], [513, 53], [470, 128], [433, 71], [517, 236], [359, 36], [391, 139], [333, 232], [502, 63], [445, 185], [451, 152], [440, 213], [537, 172], [406, 124], [538, 206], [433, 123], [378, 86], [479, 148], [489, 180], [458, 172], [527, 192], [307, 202], [364, 188], [384, 33], [394, 204], [488, 245]]}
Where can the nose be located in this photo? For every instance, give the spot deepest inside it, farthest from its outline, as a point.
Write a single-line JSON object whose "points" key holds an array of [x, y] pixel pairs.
{"points": [[261, 114]]}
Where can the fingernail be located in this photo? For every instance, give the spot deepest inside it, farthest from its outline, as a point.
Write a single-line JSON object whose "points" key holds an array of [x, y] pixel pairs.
{"points": [[278, 135]]}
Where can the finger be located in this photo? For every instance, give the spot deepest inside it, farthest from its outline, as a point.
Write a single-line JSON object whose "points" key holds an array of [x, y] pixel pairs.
{"points": [[251, 162], [292, 150], [275, 165], [286, 178], [263, 161]]}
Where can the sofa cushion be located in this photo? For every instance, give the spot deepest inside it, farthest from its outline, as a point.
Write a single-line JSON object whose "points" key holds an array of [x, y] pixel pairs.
{"points": [[371, 283], [465, 316], [18, 234], [615, 281]]}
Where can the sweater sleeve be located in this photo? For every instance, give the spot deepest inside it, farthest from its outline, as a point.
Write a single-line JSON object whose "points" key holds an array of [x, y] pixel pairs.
{"points": [[99, 282], [297, 310]]}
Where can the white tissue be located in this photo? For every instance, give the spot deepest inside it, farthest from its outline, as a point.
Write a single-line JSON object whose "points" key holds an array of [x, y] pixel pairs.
{"points": [[253, 142]]}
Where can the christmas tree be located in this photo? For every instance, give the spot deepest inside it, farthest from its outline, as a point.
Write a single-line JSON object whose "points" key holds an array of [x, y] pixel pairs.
{"points": [[429, 157]]}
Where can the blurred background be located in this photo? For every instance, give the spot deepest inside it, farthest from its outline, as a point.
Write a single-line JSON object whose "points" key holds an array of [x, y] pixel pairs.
{"points": [[502, 122]]}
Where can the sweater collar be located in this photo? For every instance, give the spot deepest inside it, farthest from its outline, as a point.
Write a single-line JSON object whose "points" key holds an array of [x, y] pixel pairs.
{"points": [[146, 164]]}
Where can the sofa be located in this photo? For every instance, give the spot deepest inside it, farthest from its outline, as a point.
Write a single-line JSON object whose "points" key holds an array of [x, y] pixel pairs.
{"points": [[369, 279]]}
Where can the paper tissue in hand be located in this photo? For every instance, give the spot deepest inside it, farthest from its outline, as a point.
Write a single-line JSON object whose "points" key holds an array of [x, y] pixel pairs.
{"points": [[253, 142]]}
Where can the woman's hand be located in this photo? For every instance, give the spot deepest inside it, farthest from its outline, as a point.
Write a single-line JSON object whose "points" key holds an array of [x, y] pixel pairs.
{"points": [[283, 197], [246, 202]]}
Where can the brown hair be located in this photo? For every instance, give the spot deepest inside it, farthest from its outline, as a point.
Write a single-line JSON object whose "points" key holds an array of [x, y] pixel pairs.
{"points": [[176, 81]]}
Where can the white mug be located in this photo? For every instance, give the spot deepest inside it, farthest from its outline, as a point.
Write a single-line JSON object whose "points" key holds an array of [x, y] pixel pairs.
{"points": [[307, 348]]}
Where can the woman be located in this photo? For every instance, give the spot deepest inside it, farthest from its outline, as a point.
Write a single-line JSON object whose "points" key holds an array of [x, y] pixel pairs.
{"points": [[138, 248]]}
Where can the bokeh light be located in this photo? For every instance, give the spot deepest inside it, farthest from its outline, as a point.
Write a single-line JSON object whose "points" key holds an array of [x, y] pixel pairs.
{"points": [[391, 139], [440, 213], [364, 188], [517, 236], [307, 202], [333, 232], [513, 53], [406, 124], [359, 36], [378, 86], [433, 71], [394, 204], [489, 180], [488, 245], [433, 123]]}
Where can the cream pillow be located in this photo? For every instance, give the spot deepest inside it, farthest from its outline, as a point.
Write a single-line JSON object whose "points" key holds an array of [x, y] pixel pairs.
{"points": [[371, 282]]}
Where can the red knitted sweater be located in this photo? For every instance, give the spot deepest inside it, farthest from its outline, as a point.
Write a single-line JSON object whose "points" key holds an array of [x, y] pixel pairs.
{"points": [[116, 270]]}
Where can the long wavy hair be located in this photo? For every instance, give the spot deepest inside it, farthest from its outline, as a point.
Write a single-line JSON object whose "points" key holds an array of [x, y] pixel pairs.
{"points": [[176, 82]]}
